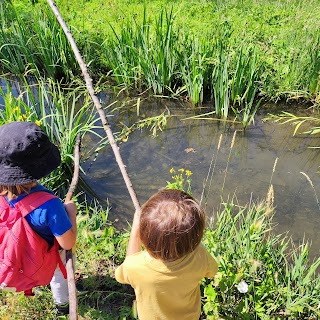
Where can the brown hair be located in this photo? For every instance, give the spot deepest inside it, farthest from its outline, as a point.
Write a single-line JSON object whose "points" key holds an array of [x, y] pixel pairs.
{"points": [[171, 224], [13, 191]]}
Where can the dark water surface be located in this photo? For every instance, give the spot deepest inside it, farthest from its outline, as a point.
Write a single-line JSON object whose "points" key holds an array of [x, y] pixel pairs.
{"points": [[243, 173]]}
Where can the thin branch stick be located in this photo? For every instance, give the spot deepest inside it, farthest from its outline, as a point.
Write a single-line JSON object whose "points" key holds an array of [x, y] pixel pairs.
{"points": [[97, 104], [75, 178], [73, 301]]}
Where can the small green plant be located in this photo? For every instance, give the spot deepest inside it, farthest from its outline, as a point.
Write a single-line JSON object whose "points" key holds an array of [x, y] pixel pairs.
{"points": [[181, 180], [100, 247]]}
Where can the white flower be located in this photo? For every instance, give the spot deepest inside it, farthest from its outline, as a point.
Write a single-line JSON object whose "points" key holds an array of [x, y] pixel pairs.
{"points": [[242, 287]]}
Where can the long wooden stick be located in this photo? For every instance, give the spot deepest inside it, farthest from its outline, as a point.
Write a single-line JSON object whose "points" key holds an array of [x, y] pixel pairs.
{"points": [[73, 301], [97, 104]]}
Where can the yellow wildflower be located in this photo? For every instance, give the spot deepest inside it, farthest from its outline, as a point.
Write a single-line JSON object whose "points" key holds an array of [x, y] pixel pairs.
{"points": [[38, 122], [171, 170], [181, 170], [188, 173]]}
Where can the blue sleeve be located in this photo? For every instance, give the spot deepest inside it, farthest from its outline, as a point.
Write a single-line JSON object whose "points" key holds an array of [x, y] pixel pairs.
{"points": [[57, 217]]}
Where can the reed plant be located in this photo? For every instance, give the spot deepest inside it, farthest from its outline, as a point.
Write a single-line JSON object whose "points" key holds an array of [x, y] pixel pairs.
{"points": [[61, 114], [142, 55], [311, 72], [245, 76], [121, 54], [35, 44], [53, 54], [220, 82], [194, 68], [16, 54], [311, 124]]}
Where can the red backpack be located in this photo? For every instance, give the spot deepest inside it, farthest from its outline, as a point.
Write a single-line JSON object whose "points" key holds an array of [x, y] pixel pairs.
{"points": [[26, 259]]}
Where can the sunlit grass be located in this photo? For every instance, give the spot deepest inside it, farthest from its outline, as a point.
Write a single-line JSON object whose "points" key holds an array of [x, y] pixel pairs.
{"points": [[282, 281], [62, 114], [35, 45]]}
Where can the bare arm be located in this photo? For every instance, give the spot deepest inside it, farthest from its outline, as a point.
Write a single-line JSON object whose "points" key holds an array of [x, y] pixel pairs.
{"points": [[134, 244], [68, 239]]}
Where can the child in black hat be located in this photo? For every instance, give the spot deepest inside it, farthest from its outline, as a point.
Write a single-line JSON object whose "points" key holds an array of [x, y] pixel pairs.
{"points": [[26, 155]]}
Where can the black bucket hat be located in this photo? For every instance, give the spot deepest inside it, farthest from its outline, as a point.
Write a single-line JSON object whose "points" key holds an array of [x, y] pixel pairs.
{"points": [[26, 153]]}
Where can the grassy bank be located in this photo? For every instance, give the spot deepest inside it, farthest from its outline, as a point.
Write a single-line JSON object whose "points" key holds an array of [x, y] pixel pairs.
{"points": [[282, 282], [229, 52]]}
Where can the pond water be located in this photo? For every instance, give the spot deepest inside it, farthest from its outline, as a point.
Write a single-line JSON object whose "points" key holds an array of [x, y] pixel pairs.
{"points": [[266, 152]]}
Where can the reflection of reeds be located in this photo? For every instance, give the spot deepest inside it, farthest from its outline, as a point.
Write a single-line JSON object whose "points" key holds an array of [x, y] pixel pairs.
{"points": [[229, 157], [314, 189], [210, 174], [273, 170]]}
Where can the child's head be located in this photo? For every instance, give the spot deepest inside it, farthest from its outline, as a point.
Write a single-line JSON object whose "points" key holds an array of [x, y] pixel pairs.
{"points": [[171, 224], [26, 155]]}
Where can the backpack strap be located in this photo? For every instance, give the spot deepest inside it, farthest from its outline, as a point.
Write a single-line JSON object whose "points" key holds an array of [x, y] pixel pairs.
{"points": [[30, 203], [33, 201]]}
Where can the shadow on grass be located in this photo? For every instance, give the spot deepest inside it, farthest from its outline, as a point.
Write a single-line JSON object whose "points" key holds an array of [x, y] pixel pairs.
{"points": [[102, 297]]}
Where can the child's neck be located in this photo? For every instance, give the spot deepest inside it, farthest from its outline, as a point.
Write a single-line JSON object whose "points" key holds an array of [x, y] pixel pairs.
{"points": [[12, 196]]}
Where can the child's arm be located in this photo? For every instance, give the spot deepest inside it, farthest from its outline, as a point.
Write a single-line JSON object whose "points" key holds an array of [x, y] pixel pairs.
{"points": [[134, 244], [68, 239]]}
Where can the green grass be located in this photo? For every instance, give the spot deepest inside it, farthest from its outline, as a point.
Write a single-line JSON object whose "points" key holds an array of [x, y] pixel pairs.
{"points": [[283, 283], [62, 113], [282, 34], [35, 44]]}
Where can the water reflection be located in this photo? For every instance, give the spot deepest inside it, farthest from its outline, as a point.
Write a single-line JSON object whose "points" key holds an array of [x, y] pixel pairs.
{"points": [[245, 171]]}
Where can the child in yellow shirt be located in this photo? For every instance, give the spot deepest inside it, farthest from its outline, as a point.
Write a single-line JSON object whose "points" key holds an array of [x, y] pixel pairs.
{"points": [[166, 275]]}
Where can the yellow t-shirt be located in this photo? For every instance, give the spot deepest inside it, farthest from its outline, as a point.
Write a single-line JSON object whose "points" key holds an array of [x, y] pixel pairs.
{"points": [[167, 290]]}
